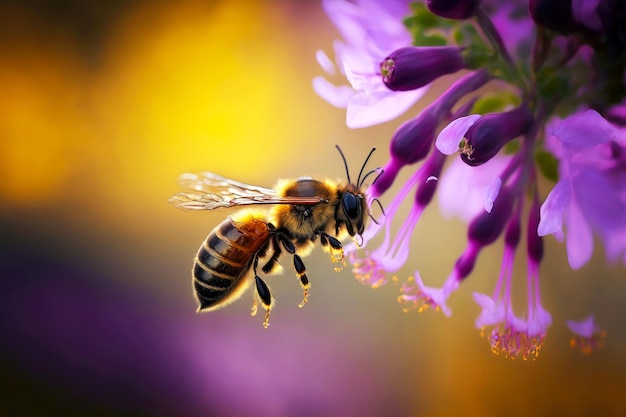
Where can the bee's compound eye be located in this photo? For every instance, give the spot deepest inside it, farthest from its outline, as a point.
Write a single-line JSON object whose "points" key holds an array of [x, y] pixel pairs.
{"points": [[351, 206]]}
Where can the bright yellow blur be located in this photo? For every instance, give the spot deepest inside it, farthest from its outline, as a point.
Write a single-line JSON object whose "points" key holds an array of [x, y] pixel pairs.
{"points": [[205, 88]]}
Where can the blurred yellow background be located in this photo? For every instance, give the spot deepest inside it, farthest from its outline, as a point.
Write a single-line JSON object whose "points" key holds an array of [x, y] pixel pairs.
{"points": [[102, 106]]}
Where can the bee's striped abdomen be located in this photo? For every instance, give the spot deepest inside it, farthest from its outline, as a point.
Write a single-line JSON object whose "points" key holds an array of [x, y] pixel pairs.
{"points": [[225, 258]]}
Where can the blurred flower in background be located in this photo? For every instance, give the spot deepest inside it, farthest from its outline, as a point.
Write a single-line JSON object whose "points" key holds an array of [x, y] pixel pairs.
{"points": [[104, 104], [562, 87]]}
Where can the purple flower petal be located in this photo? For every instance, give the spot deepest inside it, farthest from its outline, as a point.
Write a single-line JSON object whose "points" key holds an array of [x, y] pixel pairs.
{"points": [[491, 193], [492, 312], [579, 239], [585, 328], [539, 322], [325, 62], [586, 130], [337, 96], [450, 136], [370, 108], [462, 187], [552, 209]]}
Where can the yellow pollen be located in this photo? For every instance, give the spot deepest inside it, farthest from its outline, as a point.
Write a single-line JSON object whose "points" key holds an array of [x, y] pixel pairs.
{"points": [[514, 344], [586, 345], [416, 299], [336, 256]]}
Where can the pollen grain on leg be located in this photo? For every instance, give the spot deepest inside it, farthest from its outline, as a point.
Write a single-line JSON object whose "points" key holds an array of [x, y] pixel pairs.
{"points": [[337, 257]]}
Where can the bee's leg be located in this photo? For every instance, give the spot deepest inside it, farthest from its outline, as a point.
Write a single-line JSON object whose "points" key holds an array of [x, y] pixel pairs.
{"points": [[264, 295], [272, 262], [298, 265], [304, 280], [333, 245]]}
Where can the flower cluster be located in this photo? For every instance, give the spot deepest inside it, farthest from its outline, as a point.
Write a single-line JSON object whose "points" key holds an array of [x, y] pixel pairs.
{"points": [[553, 105]]}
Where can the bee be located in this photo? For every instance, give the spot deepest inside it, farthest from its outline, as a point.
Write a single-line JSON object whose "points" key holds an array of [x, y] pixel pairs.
{"points": [[303, 211]]}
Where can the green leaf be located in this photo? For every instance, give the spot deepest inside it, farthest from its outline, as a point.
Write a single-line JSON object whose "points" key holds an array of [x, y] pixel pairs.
{"points": [[548, 165], [494, 102], [433, 40], [511, 147], [420, 24]]}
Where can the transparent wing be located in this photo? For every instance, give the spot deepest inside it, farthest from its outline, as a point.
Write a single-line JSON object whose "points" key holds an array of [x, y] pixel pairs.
{"points": [[209, 191]]}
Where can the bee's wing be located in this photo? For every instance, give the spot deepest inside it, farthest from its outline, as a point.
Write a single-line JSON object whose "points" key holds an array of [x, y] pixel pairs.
{"points": [[209, 191]]}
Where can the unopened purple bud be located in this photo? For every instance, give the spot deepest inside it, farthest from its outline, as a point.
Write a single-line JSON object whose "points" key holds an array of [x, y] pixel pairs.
{"points": [[386, 179], [453, 9], [413, 67], [487, 226], [490, 133], [432, 168], [414, 138], [554, 14]]}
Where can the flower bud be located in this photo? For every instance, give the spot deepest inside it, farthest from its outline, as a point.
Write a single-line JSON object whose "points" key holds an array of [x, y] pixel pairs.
{"points": [[554, 14], [490, 133], [453, 9], [412, 67], [414, 138], [487, 226]]}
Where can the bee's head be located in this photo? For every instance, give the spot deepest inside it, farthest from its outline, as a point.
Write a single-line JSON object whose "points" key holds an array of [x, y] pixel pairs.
{"points": [[354, 209]]}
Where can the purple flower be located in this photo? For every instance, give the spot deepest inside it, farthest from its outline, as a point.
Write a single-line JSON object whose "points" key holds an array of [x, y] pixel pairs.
{"points": [[413, 67], [480, 138], [507, 136], [591, 193], [511, 335], [587, 335], [370, 30]]}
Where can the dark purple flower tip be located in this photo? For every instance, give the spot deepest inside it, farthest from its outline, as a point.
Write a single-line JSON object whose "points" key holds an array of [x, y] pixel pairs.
{"points": [[414, 138], [466, 262], [453, 9], [412, 67], [386, 179], [485, 228], [490, 133], [554, 14]]}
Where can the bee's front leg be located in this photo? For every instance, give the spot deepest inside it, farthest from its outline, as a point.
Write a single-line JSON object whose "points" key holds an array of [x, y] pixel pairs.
{"points": [[333, 245]]}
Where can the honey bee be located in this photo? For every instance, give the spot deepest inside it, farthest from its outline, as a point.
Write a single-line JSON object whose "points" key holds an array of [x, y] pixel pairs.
{"points": [[303, 211]]}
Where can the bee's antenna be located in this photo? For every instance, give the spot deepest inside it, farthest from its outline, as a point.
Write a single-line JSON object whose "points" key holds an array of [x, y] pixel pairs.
{"points": [[358, 180], [381, 172], [379, 205], [345, 163], [367, 175], [381, 209]]}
